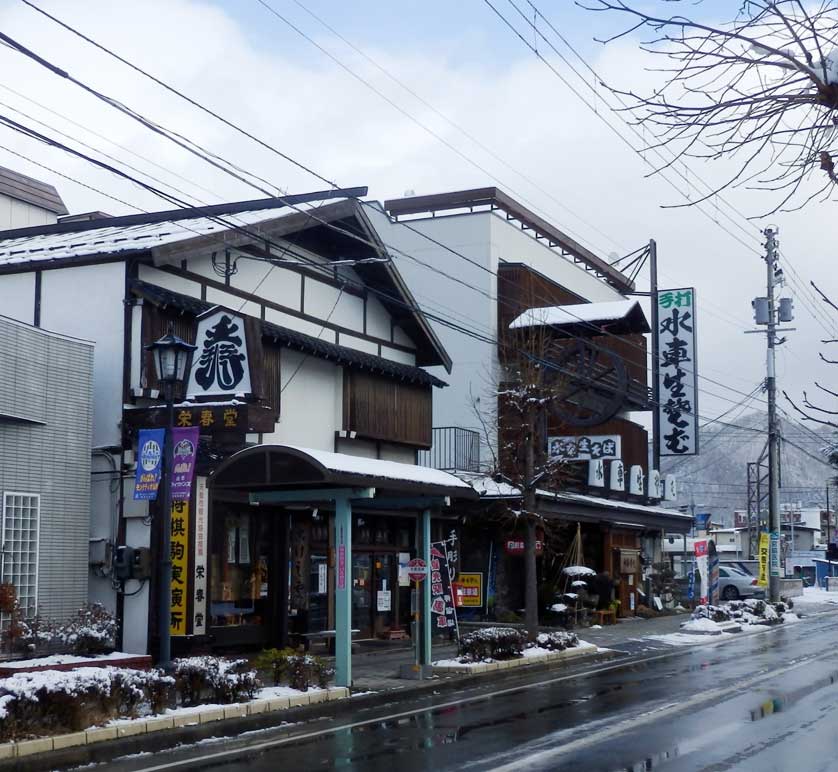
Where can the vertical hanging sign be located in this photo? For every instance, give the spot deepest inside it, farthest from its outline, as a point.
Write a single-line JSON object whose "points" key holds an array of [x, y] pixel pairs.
{"points": [[185, 449], [180, 567], [149, 463], [677, 376], [199, 601], [443, 612]]}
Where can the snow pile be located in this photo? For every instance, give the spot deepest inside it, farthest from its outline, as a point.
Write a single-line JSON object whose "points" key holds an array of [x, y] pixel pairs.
{"points": [[63, 659], [745, 612], [701, 625], [578, 571], [579, 583], [558, 607], [816, 595]]}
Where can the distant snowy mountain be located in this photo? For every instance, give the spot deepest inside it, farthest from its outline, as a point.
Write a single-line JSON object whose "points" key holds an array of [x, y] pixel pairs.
{"points": [[716, 480]]}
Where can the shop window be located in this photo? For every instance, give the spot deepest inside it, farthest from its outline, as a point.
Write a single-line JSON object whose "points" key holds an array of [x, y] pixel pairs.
{"points": [[19, 542], [240, 547]]}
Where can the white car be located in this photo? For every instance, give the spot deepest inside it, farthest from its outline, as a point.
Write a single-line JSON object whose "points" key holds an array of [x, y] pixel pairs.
{"points": [[735, 583]]}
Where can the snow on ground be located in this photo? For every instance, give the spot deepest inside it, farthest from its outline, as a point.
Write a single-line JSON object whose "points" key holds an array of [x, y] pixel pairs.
{"points": [[816, 595], [63, 659], [701, 626], [683, 639], [790, 618]]}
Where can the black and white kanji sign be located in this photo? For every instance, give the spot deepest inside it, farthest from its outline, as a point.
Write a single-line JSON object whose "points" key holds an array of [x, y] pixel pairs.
{"points": [[220, 366], [677, 378]]}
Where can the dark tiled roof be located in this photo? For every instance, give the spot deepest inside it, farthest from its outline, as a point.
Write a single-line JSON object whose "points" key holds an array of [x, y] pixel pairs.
{"points": [[30, 190], [309, 344]]}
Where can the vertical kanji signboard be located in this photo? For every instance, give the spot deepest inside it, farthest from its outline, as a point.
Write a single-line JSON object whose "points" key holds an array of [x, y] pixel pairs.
{"points": [[677, 376]]}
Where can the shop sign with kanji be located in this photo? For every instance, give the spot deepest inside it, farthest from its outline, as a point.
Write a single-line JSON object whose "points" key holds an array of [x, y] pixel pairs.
{"points": [[443, 613], [222, 366], [468, 589], [677, 378], [180, 567]]}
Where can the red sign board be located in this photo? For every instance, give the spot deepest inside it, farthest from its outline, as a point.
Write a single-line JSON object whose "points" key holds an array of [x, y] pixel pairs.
{"points": [[417, 570], [516, 546]]}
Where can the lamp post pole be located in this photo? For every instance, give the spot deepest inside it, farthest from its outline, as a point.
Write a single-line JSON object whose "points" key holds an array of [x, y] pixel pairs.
{"points": [[164, 596], [172, 361]]}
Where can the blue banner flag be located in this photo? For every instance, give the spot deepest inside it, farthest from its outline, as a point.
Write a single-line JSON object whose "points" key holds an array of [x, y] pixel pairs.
{"points": [[149, 464]]}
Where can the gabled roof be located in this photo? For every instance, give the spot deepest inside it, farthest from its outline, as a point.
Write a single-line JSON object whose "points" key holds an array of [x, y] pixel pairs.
{"points": [[323, 349], [31, 191], [619, 316], [169, 236]]}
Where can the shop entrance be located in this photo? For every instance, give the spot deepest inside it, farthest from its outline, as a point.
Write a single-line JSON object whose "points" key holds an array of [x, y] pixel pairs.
{"points": [[374, 592]]}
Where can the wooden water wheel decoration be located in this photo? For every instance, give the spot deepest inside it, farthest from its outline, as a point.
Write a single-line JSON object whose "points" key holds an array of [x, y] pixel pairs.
{"points": [[591, 384]]}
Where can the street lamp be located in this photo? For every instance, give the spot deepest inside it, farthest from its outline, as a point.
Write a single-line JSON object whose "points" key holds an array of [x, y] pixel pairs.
{"points": [[172, 363]]}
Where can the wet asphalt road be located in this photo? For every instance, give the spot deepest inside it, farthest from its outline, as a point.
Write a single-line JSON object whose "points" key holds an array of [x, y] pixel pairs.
{"points": [[685, 709]]}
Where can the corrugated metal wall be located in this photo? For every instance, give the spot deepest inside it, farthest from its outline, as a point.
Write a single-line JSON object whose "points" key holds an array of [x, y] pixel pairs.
{"points": [[49, 378]]}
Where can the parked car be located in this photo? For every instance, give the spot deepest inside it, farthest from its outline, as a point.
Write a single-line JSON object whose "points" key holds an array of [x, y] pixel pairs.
{"points": [[735, 583]]}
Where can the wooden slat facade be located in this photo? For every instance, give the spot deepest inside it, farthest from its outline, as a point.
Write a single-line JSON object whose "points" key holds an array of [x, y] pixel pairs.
{"points": [[382, 409]]}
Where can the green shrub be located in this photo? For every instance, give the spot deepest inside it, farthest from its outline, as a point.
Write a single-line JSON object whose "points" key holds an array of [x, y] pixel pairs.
{"points": [[492, 643]]}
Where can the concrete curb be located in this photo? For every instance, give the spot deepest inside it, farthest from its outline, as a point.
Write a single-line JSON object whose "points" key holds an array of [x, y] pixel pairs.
{"points": [[490, 667], [12, 750]]}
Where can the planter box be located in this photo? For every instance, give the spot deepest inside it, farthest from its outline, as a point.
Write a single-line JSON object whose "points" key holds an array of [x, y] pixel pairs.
{"points": [[584, 649], [134, 661]]}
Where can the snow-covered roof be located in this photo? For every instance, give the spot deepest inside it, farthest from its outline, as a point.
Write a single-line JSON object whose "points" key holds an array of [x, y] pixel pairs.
{"points": [[488, 487], [122, 238], [278, 467], [375, 467], [581, 313]]}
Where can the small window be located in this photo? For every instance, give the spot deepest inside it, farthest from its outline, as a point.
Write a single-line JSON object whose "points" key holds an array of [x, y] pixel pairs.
{"points": [[19, 539], [723, 573]]}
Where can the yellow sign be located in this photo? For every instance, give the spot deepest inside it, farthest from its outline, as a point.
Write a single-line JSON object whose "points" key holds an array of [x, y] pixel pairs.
{"points": [[180, 566], [469, 590], [762, 581]]}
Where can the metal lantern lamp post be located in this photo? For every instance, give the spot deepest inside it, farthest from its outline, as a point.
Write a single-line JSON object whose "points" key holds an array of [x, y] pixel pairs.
{"points": [[172, 363]]}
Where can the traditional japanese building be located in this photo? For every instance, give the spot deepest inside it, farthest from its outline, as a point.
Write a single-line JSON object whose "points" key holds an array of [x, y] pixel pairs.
{"points": [[515, 278], [309, 395]]}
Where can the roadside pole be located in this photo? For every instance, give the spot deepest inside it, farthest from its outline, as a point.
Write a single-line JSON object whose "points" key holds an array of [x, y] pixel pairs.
{"points": [[771, 255]]}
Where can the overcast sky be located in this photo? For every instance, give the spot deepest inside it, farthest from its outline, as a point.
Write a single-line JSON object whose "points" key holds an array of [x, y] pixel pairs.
{"points": [[556, 155]]}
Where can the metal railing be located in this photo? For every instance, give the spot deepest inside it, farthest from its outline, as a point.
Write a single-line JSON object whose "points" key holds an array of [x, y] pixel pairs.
{"points": [[453, 449]]}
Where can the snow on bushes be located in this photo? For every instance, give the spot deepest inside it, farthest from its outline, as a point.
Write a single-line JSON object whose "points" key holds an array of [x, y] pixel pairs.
{"points": [[214, 679], [53, 701], [500, 643], [558, 640], [491, 643], [747, 612], [92, 630]]}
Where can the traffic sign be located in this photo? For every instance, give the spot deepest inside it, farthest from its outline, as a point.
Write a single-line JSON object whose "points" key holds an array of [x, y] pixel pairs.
{"points": [[417, 570]]}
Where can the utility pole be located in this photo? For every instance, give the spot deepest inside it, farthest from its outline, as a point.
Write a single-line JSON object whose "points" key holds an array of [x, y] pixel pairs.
{"points": [[771, 257]]}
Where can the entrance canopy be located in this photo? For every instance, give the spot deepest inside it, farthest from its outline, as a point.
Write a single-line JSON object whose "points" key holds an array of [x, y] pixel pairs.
{"points": [[288, 467]]}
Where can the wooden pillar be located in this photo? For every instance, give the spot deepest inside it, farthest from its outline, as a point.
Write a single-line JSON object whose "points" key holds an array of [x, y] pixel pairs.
{"points": [[425, 588], [343, 591]]}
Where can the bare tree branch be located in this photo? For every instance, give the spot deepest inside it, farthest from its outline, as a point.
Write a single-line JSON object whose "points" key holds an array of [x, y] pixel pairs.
{"points": [[760, 88]]}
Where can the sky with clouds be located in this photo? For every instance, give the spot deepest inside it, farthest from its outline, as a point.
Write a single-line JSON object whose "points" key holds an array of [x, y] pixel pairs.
{"points": [[545, 146]]}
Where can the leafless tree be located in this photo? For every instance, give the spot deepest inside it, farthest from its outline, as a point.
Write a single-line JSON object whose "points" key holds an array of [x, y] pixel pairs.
{"points": [[760, 87], [528, 389]]}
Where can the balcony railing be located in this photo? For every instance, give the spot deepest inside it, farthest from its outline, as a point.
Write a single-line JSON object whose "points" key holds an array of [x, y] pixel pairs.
{"points": [[453, 449]]}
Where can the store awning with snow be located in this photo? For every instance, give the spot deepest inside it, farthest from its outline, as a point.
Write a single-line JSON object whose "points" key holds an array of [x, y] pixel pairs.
{"points": [[618, 317]]}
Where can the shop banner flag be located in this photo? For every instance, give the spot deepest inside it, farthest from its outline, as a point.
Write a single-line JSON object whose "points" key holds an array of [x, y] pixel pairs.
{"points": [[701, 565], [149, 463], [185, 451], [443, 613], [762, 581]]}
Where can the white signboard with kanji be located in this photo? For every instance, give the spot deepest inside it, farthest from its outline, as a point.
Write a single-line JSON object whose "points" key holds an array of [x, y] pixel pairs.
{"points": [[677, 379], [220, 364]]}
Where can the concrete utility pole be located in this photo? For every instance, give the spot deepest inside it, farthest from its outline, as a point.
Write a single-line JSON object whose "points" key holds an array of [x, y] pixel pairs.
{"points": [[771, 258]]}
